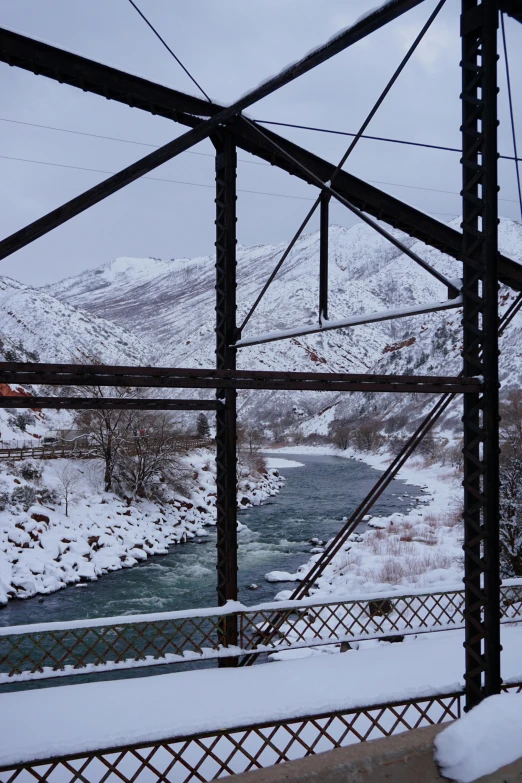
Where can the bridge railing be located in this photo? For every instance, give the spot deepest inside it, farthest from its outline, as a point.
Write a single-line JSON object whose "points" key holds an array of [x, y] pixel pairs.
{"points": [[210, 755], [90, 647]]}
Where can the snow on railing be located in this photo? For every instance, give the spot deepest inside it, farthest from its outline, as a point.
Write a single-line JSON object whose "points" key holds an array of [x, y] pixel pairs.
{"points": [[85, 647]]}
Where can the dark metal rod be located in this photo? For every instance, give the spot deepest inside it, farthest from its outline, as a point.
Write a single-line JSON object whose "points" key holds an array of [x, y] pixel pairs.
{"points": [[511, 113], [491, 420], [278, 266], [409, 54], [96, 375], [323, 258]]}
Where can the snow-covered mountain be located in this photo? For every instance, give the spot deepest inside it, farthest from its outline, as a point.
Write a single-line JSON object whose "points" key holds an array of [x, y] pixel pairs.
{"points": [[35, 326], [34, 321], [170, 304]]}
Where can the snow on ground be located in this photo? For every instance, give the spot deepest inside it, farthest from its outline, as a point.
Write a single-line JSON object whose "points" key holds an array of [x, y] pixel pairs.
{"points": [[42, 549], [38, 724], [484, 740], [421, 548]]}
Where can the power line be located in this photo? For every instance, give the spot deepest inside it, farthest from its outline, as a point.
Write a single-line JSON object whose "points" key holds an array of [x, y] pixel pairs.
{"points": [[184, 182], [373, 138], [510, 97], [205, 155], [167, 47], [123, 141]]}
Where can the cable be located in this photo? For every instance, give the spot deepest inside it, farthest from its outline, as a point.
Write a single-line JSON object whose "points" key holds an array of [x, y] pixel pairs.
{"points": [[510, 97], [373, 138], [167, 47], [123, 141], [207, 155], [202, 185], [156, 179]]}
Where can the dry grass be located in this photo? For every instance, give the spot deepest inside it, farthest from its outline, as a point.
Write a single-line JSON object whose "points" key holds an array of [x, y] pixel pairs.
{"points": [[390, 572]]}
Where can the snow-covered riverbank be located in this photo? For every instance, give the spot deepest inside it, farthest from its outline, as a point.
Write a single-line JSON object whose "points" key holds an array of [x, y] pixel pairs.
{"points": [[42, 549], [420, 548]]}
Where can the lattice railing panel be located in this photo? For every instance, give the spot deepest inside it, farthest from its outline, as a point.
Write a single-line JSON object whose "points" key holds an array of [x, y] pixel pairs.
{"points": [[206, 757], [86, 649]]}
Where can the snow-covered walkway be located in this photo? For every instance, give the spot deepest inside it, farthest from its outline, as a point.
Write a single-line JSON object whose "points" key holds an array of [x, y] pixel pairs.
{"points": [[71, 719]]}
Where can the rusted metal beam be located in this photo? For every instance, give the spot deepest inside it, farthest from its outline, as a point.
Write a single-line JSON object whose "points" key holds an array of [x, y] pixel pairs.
{"points": [[156, 377], [109, 403]]}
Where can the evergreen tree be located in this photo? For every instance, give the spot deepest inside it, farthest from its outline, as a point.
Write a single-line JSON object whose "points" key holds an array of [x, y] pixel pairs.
{"points": [[202, 428]]}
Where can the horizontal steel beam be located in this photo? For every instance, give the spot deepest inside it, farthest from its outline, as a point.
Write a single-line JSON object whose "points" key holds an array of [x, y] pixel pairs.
{"points": [[354, 320], [109, 403], [158, 377]]}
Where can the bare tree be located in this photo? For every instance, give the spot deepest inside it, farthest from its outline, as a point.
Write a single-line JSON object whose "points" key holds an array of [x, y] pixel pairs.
{"points": [[248, 438], [107, 429], [368, 435], [149, 455], [69, 480], [341, 432]]}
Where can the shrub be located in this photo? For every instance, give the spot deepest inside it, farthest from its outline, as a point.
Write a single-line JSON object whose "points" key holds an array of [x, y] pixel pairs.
{"points": [[24, 496], [30, 471]]}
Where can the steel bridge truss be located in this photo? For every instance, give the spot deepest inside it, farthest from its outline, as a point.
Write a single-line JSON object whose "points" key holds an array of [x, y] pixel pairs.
{"points": [[477, 293]]}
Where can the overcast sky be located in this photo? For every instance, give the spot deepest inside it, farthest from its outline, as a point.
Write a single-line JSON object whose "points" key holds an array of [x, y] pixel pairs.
{"points": [[229, 46]]}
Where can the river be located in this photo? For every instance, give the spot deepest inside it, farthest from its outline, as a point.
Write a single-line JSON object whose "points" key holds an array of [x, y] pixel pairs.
{"points": [[311, 504]]}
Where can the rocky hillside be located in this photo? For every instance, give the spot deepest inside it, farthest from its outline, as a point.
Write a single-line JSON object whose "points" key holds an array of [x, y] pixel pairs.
{"points": [[170, 303]]}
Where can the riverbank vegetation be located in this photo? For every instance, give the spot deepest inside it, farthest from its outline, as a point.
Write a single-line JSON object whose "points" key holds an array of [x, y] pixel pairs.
{"points": [[59, 526]]}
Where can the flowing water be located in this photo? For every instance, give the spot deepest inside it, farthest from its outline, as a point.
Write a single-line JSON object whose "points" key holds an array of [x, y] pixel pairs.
{"points": [[311, 504]]}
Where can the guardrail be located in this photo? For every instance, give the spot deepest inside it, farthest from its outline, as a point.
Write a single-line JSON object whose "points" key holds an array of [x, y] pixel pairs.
{"points": [[207, 756], [90, 647]]}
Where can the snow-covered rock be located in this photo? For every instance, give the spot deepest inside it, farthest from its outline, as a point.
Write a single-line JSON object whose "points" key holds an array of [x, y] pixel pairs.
{"points": [[42, 549]]}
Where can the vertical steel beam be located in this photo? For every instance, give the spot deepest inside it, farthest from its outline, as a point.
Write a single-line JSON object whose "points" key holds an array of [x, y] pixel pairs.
{"points": [[480, 348], [226, 481], [323, 257]]}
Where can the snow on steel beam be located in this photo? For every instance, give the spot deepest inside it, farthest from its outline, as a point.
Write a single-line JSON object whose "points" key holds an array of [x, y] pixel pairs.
{"points": [[77, 71], [109, 403], [354, 320]]}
